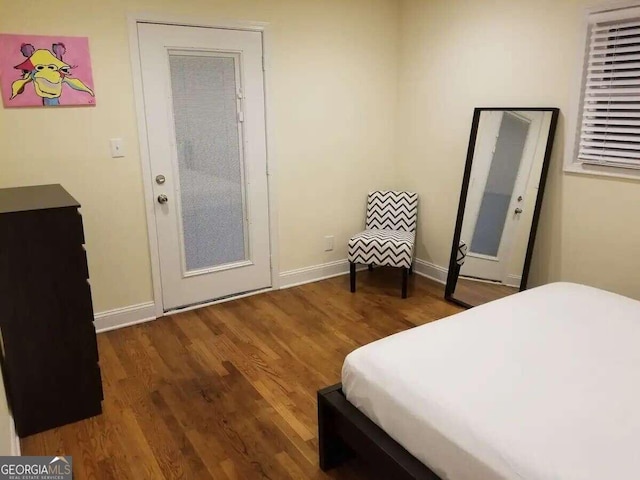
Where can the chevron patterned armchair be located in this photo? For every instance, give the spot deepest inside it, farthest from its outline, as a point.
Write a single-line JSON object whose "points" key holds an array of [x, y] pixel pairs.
{"points": [[390, 234]]}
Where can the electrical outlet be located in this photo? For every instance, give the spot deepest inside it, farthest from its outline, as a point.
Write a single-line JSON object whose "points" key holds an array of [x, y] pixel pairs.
{"points": [[328, 243]]}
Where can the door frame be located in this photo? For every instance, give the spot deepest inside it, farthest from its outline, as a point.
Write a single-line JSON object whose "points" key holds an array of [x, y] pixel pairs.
{"points": [[145, 160]]}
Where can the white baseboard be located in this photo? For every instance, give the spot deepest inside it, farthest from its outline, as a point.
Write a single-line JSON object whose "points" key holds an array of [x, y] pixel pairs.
{"points": [[314, 273], [15, 440], [144, 312], [124, 317], [430, 270]]}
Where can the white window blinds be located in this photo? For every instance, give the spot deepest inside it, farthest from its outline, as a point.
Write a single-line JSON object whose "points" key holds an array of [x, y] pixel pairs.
{"points": [[610, 128]]}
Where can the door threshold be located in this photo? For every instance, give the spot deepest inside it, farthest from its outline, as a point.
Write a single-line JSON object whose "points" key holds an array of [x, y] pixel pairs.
{"points": [[208, 303]]}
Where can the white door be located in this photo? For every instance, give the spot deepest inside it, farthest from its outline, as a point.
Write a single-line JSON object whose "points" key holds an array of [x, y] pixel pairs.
{"points": [[495, 200], [204, 106]]}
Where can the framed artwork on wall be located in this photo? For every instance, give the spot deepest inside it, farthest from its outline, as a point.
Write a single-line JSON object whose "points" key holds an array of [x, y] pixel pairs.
{"points": [[45, 71]]}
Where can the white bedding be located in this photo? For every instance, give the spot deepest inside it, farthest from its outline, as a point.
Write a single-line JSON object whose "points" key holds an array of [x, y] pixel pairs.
{"points": [[544, 384]]}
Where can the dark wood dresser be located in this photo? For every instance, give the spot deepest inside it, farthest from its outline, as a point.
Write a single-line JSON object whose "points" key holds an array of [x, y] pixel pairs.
{"points": [[50, 355]]}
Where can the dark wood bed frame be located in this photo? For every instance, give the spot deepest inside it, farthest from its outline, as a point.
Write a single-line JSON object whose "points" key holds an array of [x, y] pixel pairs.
{"points": [[345, 432]]}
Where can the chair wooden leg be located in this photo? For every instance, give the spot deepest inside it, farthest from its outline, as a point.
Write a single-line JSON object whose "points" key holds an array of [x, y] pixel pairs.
{"points": [[370, 267], [352, 276], [411, 269], [405, 278]]}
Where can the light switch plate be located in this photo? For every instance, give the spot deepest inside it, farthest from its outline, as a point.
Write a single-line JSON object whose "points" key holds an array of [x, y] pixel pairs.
{"points": [[328, 243], [117, 147]]}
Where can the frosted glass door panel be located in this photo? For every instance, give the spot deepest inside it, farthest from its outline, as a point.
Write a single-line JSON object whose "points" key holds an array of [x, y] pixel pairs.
{"points": [[501, 181], [210, 164]]}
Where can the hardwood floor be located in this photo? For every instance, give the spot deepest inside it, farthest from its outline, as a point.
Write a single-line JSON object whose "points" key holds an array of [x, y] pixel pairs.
{"points": [[229, 391], [477, 293]]}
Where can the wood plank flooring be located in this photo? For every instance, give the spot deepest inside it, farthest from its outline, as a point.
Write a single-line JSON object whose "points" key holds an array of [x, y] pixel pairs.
{"points": [[229, 391], [477, 293]]}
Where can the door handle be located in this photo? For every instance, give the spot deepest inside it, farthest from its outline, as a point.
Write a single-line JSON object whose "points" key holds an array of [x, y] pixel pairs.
{"points": [[518, 210], [162, 199]]}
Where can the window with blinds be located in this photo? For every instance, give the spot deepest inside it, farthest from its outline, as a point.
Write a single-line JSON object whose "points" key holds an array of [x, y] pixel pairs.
{"points": [[610, 123]]}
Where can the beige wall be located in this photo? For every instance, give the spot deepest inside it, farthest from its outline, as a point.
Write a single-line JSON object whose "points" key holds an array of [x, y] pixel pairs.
{"points": [[335, 76], [456, 55], [333, 81]]}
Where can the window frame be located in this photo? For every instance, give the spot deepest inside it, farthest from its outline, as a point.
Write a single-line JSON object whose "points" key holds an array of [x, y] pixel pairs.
{"points": [[571, 162]]}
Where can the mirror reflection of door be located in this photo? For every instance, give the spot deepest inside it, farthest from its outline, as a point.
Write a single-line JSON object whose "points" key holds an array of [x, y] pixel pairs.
{"points": [[510, 149], [496, 198]]}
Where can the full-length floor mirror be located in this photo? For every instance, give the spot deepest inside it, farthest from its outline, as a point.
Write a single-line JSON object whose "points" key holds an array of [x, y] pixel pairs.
{"points": [[500, 200]]}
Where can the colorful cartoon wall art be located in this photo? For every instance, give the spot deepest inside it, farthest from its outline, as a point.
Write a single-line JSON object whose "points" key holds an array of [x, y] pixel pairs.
{"points": [[37, 70]]}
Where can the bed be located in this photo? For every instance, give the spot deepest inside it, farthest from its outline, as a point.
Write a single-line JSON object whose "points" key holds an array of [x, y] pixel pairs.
{"points": [[544, 384]]}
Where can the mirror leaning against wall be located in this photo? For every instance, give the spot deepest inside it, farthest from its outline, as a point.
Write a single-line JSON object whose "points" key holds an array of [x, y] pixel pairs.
{"points": [[500, 201]]}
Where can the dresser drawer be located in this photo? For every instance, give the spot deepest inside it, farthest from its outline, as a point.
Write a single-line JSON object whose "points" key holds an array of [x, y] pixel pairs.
{"points": [[63, 227], [76, 305], [76, 227], [82, 264], [51, 362], [80, 342]]}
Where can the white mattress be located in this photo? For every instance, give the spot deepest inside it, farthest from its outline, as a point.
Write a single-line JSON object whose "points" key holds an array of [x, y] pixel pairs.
{"points": [[544, 384]]}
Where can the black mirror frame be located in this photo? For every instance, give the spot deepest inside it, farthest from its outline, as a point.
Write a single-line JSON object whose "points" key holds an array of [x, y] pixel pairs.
{"points": [[453, 266]]}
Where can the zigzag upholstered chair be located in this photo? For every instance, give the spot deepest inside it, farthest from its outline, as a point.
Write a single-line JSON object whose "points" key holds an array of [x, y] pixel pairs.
{"points": [[389, 236]]}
